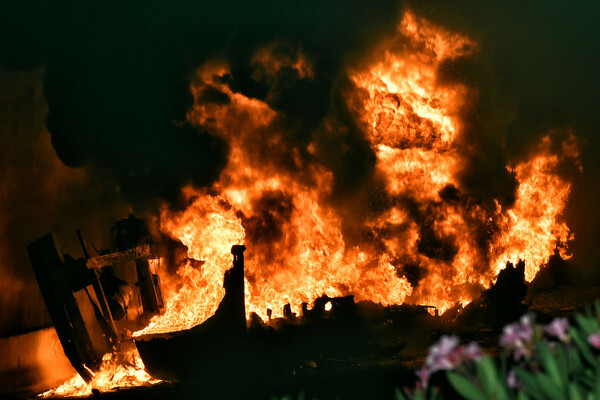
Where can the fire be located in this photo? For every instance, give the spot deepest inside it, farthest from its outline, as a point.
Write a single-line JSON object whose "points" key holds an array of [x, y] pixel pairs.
{"points": [[531, 230], [413, 126], [124, 370], [298, 251], [273, 197], [208, 227], [430, 243]]}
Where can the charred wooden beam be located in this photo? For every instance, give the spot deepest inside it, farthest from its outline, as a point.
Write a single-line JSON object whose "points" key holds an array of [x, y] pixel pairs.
{"points": [[234, 283], [149, 290], [141, 251], [103, 303]]}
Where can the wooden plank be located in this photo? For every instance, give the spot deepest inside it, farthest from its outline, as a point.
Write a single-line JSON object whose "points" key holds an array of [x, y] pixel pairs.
{"points": [[142, 251], [146, 285]]}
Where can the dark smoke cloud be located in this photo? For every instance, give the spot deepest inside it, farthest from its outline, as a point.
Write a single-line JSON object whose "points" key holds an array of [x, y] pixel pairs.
{"points": [[265, 228], [40, 195], [117, 78]]}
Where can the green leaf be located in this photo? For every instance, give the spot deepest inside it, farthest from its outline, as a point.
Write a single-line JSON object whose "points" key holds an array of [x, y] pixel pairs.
{"points": [[419, 395], [522, 396], [549, 387], [589, 325], [399, 394], [563, 365], [488, 375], [583, 346], [587, 379], [575, 392], [575, 364], [531, 385], [551, 366], [597, 389], [597, 309], [464, 387], [561, 358]]}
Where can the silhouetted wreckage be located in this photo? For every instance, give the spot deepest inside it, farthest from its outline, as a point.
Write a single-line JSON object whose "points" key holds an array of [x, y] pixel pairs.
{"points": [[333, 334], [96, 302], [502, 303], [227, 344]]}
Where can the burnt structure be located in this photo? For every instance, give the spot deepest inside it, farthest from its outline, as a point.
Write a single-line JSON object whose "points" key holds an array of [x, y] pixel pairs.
{"points": [[497, 306], [95, 302], [230, 316], [331, 335], [91, 301], [253, 350]]}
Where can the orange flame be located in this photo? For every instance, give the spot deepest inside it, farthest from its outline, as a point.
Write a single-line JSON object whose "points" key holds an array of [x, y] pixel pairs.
{"points": [[530, 229], [126, 370], [297, 251]]}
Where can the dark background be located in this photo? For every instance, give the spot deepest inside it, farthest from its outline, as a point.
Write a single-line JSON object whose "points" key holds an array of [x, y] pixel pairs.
{"points": [[93, 98]]}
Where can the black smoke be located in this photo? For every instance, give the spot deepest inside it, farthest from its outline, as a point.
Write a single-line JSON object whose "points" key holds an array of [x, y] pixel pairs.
{"points": [[117, 77]]}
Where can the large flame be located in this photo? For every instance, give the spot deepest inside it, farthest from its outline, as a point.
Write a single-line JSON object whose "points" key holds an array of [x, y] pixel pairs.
{"points": [[297, 248], [273, 198]]}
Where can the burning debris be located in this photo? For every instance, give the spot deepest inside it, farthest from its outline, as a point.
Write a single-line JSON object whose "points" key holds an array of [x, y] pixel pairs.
{"points": [[334, 333], [117, 370], [227, 343], [95, 302]]}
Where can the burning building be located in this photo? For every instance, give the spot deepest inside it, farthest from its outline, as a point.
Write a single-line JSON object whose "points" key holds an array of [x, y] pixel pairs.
{"points": [[368, 155]]}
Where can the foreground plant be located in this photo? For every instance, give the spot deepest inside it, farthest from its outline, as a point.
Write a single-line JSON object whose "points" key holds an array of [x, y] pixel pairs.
{"points": [[555, 361]]}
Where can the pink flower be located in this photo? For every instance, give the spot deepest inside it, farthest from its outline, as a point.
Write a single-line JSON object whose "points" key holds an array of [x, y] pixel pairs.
{"points": [[471, 351], [445, 355], [558, 328], [518, 337], [512, 381], [423, 374], [442, 355], [594, 340], [514, 335], [445, 346]]}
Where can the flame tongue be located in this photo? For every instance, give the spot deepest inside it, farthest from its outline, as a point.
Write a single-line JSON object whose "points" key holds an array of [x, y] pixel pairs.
{"points": [[531, 230]]}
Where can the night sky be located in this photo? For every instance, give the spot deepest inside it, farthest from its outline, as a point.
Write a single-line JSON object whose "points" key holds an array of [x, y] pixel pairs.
{"points": [[93, 99]]}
